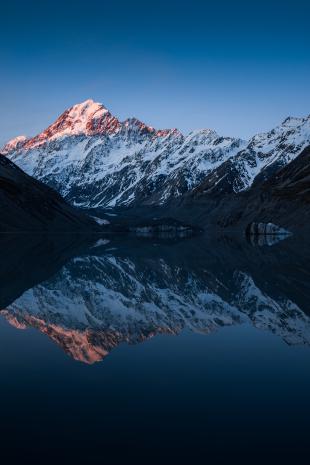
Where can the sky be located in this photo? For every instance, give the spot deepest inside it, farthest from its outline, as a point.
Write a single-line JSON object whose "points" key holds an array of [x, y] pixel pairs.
{"points": [[238, 67]]}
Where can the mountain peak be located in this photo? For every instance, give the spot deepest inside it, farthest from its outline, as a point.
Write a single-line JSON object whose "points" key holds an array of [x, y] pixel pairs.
{"points": [[202, 135], [169, 132], [82, 118], [98, 161], [292, 121], [85, 118], [14, 144], [136, 124], [85, 110]]}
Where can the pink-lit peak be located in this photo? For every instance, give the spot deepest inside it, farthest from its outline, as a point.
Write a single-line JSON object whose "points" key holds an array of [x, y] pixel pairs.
{"points": [[86, 118]]}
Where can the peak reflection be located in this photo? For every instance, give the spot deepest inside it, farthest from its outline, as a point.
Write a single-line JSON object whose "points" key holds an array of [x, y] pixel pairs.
{"points": [[88, 299]]}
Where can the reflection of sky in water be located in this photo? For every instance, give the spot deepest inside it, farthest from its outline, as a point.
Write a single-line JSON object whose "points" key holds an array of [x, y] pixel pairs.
{"points": [[207, 350]]}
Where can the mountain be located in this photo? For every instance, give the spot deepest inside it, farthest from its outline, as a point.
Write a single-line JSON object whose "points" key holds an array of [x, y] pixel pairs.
{"points": [[283, 198], [28, 205], [94, 160], [129, 291], [263, 156]]}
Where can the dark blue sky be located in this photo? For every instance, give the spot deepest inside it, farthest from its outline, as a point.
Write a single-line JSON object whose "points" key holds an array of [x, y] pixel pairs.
{"points": [[238, 67]]}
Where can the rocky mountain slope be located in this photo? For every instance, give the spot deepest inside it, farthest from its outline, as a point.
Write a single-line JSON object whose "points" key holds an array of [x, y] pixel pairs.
{"points": [[263, 156], [94, 160], [28, 205], [283, 198]]}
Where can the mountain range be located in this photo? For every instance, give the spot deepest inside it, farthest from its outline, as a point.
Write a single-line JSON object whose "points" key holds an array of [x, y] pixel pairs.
{"points": [[95, 161]]}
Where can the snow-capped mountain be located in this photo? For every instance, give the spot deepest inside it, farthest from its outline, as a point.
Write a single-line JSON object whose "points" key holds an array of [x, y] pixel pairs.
{"points": [[94, 160], [263, 155], [99, 300]]}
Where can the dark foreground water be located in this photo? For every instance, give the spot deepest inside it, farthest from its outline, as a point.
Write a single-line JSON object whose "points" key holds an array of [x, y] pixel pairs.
{"points": [[144, 351]]}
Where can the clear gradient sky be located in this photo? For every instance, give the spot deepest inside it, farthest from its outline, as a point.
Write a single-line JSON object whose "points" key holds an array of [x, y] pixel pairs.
{"points": [[238, 67]]}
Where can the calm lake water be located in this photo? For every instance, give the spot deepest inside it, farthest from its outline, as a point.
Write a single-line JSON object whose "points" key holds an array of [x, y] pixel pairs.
{"points": [[149, 351]]}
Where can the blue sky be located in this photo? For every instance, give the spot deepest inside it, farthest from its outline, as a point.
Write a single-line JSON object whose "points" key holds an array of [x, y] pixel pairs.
{"points": [[237, 67]]}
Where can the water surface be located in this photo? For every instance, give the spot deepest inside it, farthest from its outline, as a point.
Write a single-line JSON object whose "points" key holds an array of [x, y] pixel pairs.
{"points": [[149, 351]]}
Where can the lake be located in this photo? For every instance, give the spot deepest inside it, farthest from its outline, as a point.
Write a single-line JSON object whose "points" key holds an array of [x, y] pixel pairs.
{"points": [[145, 350]]}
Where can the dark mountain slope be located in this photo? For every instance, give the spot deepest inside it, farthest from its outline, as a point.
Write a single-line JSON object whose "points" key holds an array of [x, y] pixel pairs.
{"points": [[283, 199], [28, 205], [293, 181]]}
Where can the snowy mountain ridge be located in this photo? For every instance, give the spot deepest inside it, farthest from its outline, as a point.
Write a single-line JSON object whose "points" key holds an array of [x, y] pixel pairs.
{"points": [[94, 160]]}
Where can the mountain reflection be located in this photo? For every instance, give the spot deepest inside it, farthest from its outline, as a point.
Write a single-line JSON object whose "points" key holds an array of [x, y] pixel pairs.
{"points": [[89, 295]]}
